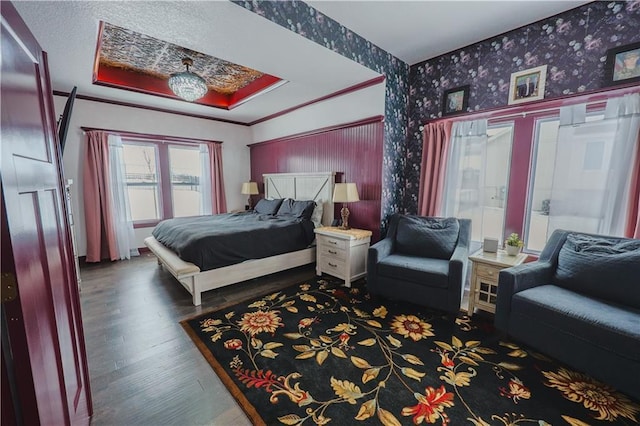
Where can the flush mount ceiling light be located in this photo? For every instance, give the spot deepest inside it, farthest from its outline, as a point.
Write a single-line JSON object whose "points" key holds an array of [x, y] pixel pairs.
{"points": [[188, 85]]}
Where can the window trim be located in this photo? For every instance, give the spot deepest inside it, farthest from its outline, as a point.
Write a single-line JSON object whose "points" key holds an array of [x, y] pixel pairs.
{"points": [[520, 170], [170, 186], [159, 193], [512, 124], [163, 164], [532, 168], [592, 109]]}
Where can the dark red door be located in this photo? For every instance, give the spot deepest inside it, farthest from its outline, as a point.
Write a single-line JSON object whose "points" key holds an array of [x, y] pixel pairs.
{"points": [[46, 340]]}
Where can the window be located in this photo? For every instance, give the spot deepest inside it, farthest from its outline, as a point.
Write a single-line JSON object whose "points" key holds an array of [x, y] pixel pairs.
{"points": [[186, 175], [584, 178], [165, 180], [477, 180], [141, 165], [496, 181], [540, 183], [516, 177]]}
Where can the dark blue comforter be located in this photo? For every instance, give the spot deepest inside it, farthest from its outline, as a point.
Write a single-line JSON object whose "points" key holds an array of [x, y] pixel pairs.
{"points": [[225, 239]]}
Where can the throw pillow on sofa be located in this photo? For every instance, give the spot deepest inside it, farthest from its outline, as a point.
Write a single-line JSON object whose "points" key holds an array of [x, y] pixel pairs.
{"points": [[427, 236], [606, 268]]}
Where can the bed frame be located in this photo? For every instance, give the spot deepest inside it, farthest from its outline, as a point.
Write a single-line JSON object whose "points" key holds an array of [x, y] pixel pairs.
{"points": [[299, 186]]}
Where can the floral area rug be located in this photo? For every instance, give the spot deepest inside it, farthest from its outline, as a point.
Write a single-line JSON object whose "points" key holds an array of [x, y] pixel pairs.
{"points": [[319, 353]]}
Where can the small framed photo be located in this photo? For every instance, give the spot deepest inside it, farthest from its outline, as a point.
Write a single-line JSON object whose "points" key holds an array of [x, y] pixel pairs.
{"points": [[623, 65], [527, 85], [455, 101]]}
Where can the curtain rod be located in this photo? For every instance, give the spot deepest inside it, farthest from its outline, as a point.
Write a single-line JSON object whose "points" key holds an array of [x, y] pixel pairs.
{"points": [[523, 114], [495, 115], [590, 106], [163, 138], [592, 100]]}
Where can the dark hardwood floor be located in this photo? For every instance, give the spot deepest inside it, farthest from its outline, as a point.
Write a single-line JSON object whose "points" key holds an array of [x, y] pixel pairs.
{"points": [[144, 368]]}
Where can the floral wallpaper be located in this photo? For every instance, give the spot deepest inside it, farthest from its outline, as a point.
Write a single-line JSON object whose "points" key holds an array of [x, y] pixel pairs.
{"points": [[303, 19], [573, 45]]}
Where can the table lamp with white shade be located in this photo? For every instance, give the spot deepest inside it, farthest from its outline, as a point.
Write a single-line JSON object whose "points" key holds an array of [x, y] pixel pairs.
{"points": [[345, 193], [249, 188]]}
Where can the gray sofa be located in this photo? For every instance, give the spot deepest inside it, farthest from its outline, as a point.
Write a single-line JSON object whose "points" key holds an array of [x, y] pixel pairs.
{"points": [[580, 304], [421, 260]]}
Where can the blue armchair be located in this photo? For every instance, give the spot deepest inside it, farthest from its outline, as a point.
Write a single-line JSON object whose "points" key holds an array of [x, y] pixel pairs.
{"points": [[579, 303], [422, 260]]}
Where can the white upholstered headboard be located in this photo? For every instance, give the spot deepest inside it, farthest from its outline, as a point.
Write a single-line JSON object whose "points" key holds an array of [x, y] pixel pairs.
{"points": [[303, 186]]}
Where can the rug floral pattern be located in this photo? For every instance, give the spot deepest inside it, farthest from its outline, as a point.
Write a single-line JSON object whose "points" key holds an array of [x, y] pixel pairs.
{"points": [[319, 353]]}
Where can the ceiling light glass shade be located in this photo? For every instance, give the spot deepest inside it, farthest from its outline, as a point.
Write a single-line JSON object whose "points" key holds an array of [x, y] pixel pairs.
{"points": [[188, 85]]}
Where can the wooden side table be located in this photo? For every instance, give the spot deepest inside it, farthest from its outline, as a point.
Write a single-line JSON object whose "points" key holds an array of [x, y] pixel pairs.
{"points": [[342, 253], [484, 277]]}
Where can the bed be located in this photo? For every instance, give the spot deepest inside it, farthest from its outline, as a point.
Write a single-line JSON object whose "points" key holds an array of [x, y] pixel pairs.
{"points": [[298, 186]]}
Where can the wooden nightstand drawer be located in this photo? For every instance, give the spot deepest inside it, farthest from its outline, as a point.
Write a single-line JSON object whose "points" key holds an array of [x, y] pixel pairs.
{"points": [[342, 252], [332, 242], [333, 266], [486, 271], [331, 251]]}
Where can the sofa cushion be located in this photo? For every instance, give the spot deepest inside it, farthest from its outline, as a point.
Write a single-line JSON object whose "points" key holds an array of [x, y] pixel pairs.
{"points": [[606, 268], [610, 326], [427, 236], [420, 270]]}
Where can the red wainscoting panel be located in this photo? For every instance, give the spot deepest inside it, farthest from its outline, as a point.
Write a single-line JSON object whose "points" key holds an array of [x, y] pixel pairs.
{"points": [[354, 152]]}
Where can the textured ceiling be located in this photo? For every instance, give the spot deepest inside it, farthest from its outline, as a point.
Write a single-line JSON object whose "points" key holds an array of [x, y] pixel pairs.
{"points": [[130, 50], [417, 30], [68, 30], [410, 30]]}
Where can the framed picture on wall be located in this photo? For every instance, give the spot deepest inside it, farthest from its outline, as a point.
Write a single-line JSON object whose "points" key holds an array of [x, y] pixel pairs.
{"points": [[623, 65], [455, 101], [527, 85]]}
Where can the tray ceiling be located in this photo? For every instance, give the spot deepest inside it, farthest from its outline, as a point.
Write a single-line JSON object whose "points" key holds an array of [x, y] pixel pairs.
{"points": [[141, 55]]}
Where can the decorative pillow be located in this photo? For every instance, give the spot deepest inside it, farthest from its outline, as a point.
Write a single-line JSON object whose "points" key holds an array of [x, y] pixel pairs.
{"points": [[299, 209], [604, 267], [268, 206], [427, 236], [286, 208], [316, 216]]}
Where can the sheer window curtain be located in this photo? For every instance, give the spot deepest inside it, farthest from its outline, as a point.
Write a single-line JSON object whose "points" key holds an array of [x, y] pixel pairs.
{"points": [[464, 180], [436, 141], [119, 194], [592, 180]]}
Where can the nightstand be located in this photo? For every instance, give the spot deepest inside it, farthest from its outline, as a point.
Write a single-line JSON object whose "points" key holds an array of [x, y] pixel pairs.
{"points": [[484, 277], [342, 253]]}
